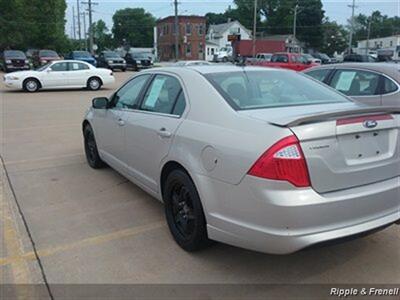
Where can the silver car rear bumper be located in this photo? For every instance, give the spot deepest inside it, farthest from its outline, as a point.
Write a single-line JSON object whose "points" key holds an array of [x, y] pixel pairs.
{"points": [[275, 217]]}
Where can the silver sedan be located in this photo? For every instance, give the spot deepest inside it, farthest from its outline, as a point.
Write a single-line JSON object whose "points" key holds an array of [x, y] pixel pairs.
{"points": [[368, 83], [264, 159]]}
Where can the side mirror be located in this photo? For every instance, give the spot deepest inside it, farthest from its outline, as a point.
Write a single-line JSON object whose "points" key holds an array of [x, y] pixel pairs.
{"points": [[100, 103]]}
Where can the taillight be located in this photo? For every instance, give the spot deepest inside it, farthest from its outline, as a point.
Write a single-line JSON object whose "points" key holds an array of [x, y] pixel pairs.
{"points": [[283, 161]]}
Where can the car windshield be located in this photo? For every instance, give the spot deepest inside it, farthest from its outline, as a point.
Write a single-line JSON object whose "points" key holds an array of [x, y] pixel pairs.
{"points": [[264, 89], [14, 54], [111, 55], [140, 55], [48, 53], [44, 67], [84, 54]]}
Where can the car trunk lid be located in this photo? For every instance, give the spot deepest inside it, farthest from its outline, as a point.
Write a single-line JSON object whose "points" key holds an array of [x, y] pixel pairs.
{"points": [[345, 148]]}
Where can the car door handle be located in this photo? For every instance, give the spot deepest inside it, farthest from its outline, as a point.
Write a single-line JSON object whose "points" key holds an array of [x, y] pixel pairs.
{"points": [[121, 122], [164, 133]]}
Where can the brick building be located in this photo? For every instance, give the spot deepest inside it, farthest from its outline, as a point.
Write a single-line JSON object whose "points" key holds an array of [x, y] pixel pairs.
{"points": [[192, 38]]}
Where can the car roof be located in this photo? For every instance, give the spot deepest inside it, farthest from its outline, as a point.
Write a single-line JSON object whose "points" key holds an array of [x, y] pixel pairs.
{"points": [[391, 69], [208, 69]]}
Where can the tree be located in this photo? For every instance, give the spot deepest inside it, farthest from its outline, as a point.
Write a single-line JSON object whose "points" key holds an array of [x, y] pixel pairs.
{"points": [[380, 26], [277, 16], [102, 37], [33, 23], [134, 27], [334, 37]]}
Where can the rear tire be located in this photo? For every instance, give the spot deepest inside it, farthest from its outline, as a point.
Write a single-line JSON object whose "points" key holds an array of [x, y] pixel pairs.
{"points": [[94, 83], [92, 154], [184, 212], [31, 85]]}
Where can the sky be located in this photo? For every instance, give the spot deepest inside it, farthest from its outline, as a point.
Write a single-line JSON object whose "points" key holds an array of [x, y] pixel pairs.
{"points": [[336, 10]]}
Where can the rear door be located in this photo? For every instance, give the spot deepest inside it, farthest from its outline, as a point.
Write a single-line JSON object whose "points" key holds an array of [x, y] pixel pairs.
{"points": [[351, 151], [360, 85], [390, 92], [150, 130], [78, 74]]}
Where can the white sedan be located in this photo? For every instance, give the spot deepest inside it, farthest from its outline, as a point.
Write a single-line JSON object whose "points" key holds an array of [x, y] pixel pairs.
{"points": [[60, 74]]}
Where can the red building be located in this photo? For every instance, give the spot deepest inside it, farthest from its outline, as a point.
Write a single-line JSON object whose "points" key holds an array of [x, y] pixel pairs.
{"points": [[192, 38]]}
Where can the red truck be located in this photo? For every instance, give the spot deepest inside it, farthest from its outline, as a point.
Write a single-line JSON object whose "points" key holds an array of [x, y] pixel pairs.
{"points": [[292, 61]]}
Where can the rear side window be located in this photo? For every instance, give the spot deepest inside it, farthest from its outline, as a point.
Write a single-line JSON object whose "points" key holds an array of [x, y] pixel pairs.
{"points": [[389, 86], [355, 82], [162, 95], [320, 74], [75, 66]]}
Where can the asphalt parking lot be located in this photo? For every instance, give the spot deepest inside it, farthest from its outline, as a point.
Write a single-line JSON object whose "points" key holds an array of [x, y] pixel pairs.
{"points": [[93, 226]]}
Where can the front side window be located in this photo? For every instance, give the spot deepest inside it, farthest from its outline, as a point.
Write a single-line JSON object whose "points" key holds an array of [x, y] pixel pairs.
{"points": [[75, 66], [264, 89], [355, 82], [59, 67], [162, 95], [128, 95], [281, 58], [320, 74]]}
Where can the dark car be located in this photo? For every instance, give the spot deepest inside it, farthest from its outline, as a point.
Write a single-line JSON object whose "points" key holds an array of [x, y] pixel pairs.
{"points": [[14, 60], [42, 57], [325, 59], [82, 56], [111, 60], [358, 58], [138, 61]]}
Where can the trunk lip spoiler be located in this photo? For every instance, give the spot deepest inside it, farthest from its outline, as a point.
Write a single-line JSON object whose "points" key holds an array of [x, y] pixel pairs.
{"points": [[332, 115]]}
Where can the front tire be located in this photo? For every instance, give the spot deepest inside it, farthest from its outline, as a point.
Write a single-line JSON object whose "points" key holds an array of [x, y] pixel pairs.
{"points": [[94, 83], [184, 212], [31, 85], [92, 154]]}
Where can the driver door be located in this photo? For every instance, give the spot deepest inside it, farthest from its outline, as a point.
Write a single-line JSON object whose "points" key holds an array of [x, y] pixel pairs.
{"points": [[110, 123], [56, 75]]}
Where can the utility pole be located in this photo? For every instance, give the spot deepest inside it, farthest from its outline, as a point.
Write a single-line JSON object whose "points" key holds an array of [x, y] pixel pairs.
{"points": [[368, 34], [295, 21], [78, 13], [254, 28], [73, 23], [353, 6], [176, 31], [84, 29], [90, 3]]}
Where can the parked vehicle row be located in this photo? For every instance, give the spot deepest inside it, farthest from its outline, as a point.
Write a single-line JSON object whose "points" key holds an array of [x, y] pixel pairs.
{"points": [[60, 74], [15, 60], [282, 162]]}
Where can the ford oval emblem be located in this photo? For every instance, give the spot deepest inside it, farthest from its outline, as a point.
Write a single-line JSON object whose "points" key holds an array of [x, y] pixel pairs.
{"points": [[370, 124]]}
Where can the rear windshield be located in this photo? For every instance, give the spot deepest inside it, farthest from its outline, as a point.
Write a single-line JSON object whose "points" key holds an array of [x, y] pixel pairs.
{"points": [[264, 89], [48, 53], [14, 54]]}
